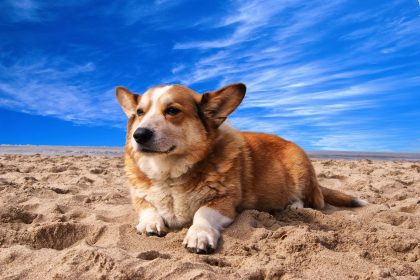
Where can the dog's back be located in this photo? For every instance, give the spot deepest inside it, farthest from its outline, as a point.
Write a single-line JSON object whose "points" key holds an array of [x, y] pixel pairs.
{"points": [[277, 173]]}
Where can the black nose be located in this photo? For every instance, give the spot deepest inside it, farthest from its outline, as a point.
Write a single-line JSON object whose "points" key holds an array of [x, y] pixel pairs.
{"points": [[142, 135]]}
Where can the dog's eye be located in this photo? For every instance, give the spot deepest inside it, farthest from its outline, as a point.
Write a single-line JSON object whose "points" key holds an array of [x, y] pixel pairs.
{"points": [[140, 112], [172, 111]]}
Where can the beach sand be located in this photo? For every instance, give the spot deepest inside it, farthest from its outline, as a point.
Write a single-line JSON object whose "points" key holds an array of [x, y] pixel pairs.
{"points": [[69, 217]]}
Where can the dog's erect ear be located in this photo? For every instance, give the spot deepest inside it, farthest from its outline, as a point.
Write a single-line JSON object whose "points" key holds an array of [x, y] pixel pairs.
{"points": [[217, 105], [128, 100]]}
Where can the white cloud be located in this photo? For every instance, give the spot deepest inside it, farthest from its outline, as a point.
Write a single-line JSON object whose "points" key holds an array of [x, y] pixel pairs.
{"points": [[146, 12], [33, 10], [54, 87], [274, 53], [246, 18], [351, 141], [24, 10], [272, 46]]}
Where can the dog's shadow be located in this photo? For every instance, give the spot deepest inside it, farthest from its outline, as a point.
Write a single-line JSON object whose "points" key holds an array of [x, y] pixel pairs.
{"points": [[314, 220]]}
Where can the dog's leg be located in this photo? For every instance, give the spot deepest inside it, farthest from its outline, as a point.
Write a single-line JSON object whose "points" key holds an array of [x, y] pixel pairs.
{"points": [[209, 220], [150, 222]]}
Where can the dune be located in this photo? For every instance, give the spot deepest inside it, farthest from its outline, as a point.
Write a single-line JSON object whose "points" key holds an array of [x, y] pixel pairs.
{"points": [[69, 217]]}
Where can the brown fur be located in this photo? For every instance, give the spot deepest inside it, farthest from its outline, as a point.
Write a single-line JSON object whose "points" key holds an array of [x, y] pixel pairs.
{"points": [[229, 170]]}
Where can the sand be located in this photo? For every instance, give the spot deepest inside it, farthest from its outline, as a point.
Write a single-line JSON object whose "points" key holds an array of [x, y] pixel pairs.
{"points": [[69, 217]]}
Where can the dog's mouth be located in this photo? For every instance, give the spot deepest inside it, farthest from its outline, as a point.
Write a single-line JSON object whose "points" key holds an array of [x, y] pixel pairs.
{"points": [[150, 151]]}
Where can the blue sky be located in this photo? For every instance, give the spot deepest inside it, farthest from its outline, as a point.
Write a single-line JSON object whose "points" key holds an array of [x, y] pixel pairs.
{"points": [[329, 75]]}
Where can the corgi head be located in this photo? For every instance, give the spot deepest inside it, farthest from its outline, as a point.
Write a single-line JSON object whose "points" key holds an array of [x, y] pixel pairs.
{"points": [[174, 121]]}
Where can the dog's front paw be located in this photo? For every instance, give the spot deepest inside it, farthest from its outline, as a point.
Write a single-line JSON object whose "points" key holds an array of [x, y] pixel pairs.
{"points": [[298, 204], [151, 223], [201, 239]]}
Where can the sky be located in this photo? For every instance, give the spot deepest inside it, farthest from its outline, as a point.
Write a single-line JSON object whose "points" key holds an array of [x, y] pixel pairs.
{"points": [[328, 75]]}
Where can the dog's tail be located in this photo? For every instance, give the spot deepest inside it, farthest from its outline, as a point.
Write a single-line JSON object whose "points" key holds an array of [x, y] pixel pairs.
{"points": [[337, 198]]}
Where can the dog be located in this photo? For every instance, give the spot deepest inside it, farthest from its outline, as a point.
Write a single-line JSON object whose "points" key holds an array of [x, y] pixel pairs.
{"points": [[186, 166]]}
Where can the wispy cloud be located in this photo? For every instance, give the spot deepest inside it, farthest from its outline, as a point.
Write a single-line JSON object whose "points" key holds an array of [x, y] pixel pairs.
{"points": [[24, 10], [49, 86], [276, 52], [265, 42], [316, 71], [12, 11], [245, 19], [365, 140], [152, 13], [357, 141]]}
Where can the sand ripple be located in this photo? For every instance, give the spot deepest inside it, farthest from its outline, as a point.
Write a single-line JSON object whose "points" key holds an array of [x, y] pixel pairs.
{"points": [[69, 217]]}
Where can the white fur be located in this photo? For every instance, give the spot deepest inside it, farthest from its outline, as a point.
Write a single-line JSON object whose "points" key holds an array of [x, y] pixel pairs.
{"points": [[134, 143], [162, 167], [173, 204], [362, 202], [150, 221], [298, 204], [151, 117], [137, 193], [205, 230]]}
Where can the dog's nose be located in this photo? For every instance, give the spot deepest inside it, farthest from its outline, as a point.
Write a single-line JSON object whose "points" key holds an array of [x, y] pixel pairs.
{"points": [[142, 135]]}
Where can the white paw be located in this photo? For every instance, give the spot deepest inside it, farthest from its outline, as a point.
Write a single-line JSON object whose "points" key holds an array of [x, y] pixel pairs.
{"points": [[151, 223], [296, 205], [358, 202], [201, 239]]}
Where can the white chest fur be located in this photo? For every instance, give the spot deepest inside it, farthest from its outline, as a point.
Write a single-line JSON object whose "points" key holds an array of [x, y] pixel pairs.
{"points": [[162, 167], [174, 204]]}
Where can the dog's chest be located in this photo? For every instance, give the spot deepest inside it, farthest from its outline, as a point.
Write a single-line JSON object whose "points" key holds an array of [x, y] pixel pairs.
{"points": [[175, 205]]}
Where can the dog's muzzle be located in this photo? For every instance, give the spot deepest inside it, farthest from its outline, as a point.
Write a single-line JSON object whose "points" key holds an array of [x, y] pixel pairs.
{"points": [[146, 142]]}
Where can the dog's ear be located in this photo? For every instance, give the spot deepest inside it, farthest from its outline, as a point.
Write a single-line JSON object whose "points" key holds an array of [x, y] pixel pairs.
{"points": [[217, 105], [128, 100]]}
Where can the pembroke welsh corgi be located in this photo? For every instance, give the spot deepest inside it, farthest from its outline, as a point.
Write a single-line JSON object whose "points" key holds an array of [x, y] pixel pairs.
{"points": [[186, 166]]}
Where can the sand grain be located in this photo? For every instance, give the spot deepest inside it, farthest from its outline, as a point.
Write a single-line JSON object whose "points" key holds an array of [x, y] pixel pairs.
{"points": [[69, 217]]}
